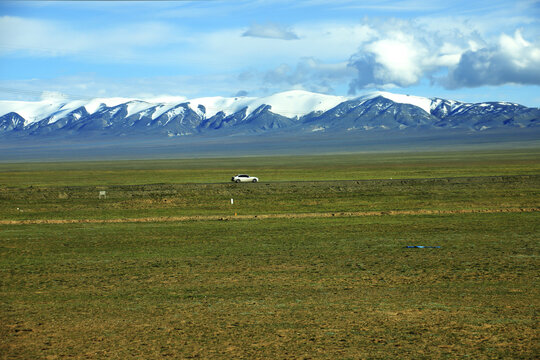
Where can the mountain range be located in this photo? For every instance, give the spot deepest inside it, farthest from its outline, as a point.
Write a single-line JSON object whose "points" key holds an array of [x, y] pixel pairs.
{"points": [[291, 112]]}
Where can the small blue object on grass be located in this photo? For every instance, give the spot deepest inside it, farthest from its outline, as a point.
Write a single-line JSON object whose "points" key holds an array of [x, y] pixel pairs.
{"points": [[422, 247]]}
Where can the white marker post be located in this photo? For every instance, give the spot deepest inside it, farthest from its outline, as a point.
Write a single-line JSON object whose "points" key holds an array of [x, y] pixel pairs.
{"points": [[232, 201]]}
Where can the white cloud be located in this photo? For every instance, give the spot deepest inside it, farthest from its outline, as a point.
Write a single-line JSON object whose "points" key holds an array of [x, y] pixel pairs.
{"points": [[35, 37], [164, 43], [228, 49], [402, 53], [513, 60], [308, 74], [271, 31], [124, 43], [323, 55], [400, 58], [93, 86]]}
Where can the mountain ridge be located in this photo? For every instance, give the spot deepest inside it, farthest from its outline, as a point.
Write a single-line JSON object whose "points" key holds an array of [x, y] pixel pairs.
{"points": [[293, 111]]}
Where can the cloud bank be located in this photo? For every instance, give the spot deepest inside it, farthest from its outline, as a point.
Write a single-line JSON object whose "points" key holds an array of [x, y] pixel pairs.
{"points": [[323, 55], [512, 61], [405, 56]]}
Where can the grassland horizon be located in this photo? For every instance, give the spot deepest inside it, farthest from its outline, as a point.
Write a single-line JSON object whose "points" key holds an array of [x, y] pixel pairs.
{"points": [[272, 283]]}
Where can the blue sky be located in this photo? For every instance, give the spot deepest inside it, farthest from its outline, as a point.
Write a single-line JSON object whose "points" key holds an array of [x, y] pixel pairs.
{"points": [[464, 50]]}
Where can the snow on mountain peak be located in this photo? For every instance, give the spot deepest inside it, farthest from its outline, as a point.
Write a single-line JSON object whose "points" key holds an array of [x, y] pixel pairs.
{"points": [[136, 106], [179, 116], [93, 105], [213, 105], [421, 102], [290, 104], [31, 111], [296, 103]]}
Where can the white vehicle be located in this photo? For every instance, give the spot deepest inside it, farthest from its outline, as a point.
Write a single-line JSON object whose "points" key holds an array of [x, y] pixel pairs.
{"points": [[244, 178]]}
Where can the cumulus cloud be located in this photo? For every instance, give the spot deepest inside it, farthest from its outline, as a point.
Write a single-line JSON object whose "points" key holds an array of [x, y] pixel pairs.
{"points": [[271, 31], [399, 59], [512, 60], [403, 54], [327, 56]]}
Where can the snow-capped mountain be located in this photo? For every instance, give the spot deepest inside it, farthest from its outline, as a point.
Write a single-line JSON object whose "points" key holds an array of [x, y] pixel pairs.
{"points": [[291, 111]]}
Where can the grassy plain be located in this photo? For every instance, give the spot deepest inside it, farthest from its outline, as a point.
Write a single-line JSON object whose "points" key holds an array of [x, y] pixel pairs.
{"points": [[366, 166], [291, 288]]}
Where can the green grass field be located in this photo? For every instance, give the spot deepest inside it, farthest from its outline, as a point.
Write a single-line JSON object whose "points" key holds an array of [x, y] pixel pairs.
{"points": [[278, 168], [343, 287]]}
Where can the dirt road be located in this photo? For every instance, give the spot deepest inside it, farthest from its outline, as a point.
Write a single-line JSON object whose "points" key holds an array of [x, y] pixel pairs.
{"points": [[267, 216]]}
